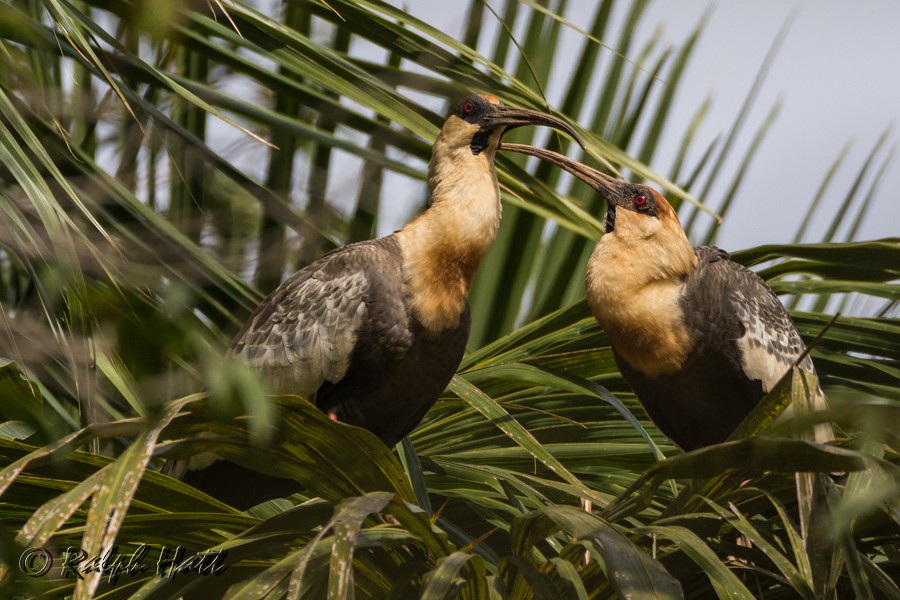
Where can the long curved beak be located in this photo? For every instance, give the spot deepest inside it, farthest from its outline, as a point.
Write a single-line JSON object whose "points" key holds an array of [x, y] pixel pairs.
{"points": [[609, 187], [511, 117]]}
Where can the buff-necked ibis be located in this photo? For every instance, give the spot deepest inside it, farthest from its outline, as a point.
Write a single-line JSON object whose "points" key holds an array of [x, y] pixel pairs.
{"points": [[372, 332], [698, 337]]}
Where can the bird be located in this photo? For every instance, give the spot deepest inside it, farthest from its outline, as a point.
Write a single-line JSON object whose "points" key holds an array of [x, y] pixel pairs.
{"points": [[372, 332], [699, 338]]}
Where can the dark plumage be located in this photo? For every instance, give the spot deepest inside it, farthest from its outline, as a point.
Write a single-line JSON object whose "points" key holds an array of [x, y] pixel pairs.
{"points": [[340, 333], [699, 338], [730, 314]]}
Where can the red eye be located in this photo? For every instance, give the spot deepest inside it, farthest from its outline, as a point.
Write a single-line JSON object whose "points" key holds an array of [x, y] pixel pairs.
{"points": [[640, 200], [468, 107]]}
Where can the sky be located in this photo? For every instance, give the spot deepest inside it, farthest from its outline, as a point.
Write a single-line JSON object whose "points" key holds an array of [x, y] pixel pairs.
{"points": [[835, 75]]}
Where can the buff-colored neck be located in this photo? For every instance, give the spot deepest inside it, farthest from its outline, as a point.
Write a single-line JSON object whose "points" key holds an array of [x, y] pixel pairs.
{"points": [[444, 246], [635, 278]]}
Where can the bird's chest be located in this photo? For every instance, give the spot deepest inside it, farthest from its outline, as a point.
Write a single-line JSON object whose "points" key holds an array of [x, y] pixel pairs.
{"points": [[439, 351], [399, 340], [645, 323]]}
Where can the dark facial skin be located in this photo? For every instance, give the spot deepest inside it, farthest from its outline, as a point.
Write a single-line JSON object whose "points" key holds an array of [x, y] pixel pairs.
{"points": [[628, 196], [488, 115]]}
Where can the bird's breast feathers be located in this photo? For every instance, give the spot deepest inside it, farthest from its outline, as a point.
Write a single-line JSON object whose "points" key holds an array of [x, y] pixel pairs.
{"points": [[636, 300], [442, 250], [646, 328]]}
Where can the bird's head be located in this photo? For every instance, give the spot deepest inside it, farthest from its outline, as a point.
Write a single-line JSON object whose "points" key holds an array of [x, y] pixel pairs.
{"points": [[639, 220], [479, 121], [632, 209]]}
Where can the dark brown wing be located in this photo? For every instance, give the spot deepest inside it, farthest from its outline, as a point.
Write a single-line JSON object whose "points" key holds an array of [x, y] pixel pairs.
{"points": [[744, 341], [304, 334], [750, 324]]}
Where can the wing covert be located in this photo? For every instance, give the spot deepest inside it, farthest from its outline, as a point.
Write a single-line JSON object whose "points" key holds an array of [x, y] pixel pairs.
{"points": [[765, 335], [304, 333]]}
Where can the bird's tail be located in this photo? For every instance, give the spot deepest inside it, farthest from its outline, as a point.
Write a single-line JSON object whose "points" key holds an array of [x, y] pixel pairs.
{"points": [[808, 399], [822, 432], [814, 489]]}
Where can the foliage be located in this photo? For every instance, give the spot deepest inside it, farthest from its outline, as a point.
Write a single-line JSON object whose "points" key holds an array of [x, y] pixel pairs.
{"points": [[156, 156]]}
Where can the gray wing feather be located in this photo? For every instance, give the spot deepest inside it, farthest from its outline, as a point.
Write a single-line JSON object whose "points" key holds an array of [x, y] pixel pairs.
{"points": [[304, 333], [770, 343], [767, 322]]}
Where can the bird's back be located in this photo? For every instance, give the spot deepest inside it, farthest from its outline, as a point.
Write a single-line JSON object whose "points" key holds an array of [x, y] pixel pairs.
{"points": [[743, 341], [339, 332]]}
